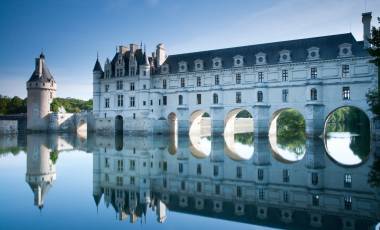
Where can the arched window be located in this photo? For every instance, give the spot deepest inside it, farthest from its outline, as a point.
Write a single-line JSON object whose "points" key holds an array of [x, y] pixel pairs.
{"points": [[259, 96], [215, 98], [180, 99], [313, 94]]}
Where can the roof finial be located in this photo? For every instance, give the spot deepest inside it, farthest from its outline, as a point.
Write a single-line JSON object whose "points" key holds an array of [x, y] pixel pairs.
{"points": [[97, 55]]}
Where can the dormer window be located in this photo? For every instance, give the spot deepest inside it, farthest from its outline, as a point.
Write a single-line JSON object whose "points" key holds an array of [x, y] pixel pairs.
{"points": [[345, 50], [260, 58], [198, 64], [182, 66], [285, 56], [238, 61], [165, 69], [216, 63], [313, 53]]}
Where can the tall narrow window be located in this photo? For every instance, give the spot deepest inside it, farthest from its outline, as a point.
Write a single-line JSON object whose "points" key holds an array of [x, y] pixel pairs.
{"points": [[259, 96], [216, 79], [132, 86], [215, 98], [284, 75], [164, 83], [183, 185], [120, 100], [313, 94], [180, 168], [199, 83], [132, 164], [199, 99], [239, 172], [345, 70], [180, 100], [106, 163], [199, 169], [260, 77], [119, 85], [315, 200], [346, 93], [314, 178], [106, 88], [313, 72], [132, 102], [199, 187], [120, 165], [216, 170], [285, 196], [238, 78], [182, 82], [164, 100], [347, 180], [261, 194], [238, 97], [238, 192], [285, 175], [260, 174], [107, 102], [217, 189], [348, 202], [285, 93]]}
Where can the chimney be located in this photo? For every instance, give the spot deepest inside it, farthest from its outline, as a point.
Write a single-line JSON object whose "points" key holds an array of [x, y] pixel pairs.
{"points": [[161, 54], [366, 19]]}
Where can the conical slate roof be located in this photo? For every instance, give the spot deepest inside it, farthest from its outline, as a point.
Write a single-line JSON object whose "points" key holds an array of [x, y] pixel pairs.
{"points": [[97, 66], [41, 74]]}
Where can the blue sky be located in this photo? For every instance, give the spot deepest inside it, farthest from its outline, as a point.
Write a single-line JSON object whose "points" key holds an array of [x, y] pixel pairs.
{"points": [[71, 32]]}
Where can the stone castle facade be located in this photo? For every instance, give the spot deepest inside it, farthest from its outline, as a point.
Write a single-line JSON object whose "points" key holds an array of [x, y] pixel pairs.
{"points": [[141, 93]]}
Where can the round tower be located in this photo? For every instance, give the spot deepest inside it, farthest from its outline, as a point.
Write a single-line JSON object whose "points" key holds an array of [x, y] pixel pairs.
{"points": [[41, 88], [97, 74]]}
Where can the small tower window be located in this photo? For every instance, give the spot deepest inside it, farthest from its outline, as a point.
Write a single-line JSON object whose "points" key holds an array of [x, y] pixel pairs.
{"points": [[313, 94], [259, 96], [215, 98], [346, 93]]}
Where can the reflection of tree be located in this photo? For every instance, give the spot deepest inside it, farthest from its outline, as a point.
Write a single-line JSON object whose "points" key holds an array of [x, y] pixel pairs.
{"points": [[14, 150], [354, 121], [244, 138], [291, 131], [244, 114], [54, 156], [374, 174]]}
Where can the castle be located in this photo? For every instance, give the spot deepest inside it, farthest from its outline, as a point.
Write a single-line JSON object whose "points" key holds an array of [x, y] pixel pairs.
{"points": [[160, 93], [41, 88]]}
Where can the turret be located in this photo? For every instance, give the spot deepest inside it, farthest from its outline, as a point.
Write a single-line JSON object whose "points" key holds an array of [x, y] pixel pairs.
{"points": [[145, 67], [97, 74], [41, 89], [161, 54]]}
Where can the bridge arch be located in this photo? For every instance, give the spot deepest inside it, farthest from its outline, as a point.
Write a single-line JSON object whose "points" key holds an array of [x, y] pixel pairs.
{"points": [[238, 120], [200, 133], [347, 135]]}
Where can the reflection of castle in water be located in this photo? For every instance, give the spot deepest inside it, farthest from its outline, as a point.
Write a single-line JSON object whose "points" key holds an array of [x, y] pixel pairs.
{"points": [[158, 173], [40, 166]]}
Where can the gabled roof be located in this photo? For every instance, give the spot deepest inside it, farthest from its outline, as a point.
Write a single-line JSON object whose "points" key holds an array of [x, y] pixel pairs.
{"points": [[328, 46]]}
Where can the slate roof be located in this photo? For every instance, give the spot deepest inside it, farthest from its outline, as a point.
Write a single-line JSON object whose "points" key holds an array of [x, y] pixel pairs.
{"points": [[45, 75], [97, 66], [328, 49], [139, 56]]}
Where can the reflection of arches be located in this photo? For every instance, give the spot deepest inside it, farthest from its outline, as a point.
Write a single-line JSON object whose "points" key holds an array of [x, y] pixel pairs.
{"points": [[200, 146], [173, 143], [347, 135], [235, 149], [119, 124], [82, 128], [173, 123], [238, 121], [289, 145], [200, 123]]}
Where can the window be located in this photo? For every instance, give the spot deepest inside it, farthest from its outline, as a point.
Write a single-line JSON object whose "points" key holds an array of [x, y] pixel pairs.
{"points": [[346, 93], [164, 183], [238, 78], [239, 172], [132, 102], [315, 200], [347, 180], [119, 181], [313, 72], [215, 99], [182, 82], [199, 83], [106, 88], [151, 102], [120, 165], [261, 193], [199, 169], [106, 163], [347, 202], [180, 99], [259, 96], [132, 180], [217, 189], [199, 187], [345, 70], [314, 178], [107, 177], [216, 79], [164, 83], [285, 93], [107, 102], [260, 174], [132, 164], [180, 168], [164, 100], [238, 97], [199, 99], [144, 103], [313, 94], [260, 77], [132, 86], [120, 100], [216, 170], [285, 196], [119, 85], [183, 185], [285, 175], [144, 86], [284, 75], [238, 191], [165, 166]]}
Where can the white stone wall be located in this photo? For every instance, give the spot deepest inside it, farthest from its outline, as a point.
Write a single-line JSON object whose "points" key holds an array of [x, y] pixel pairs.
{"points": [[8, 127]]}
